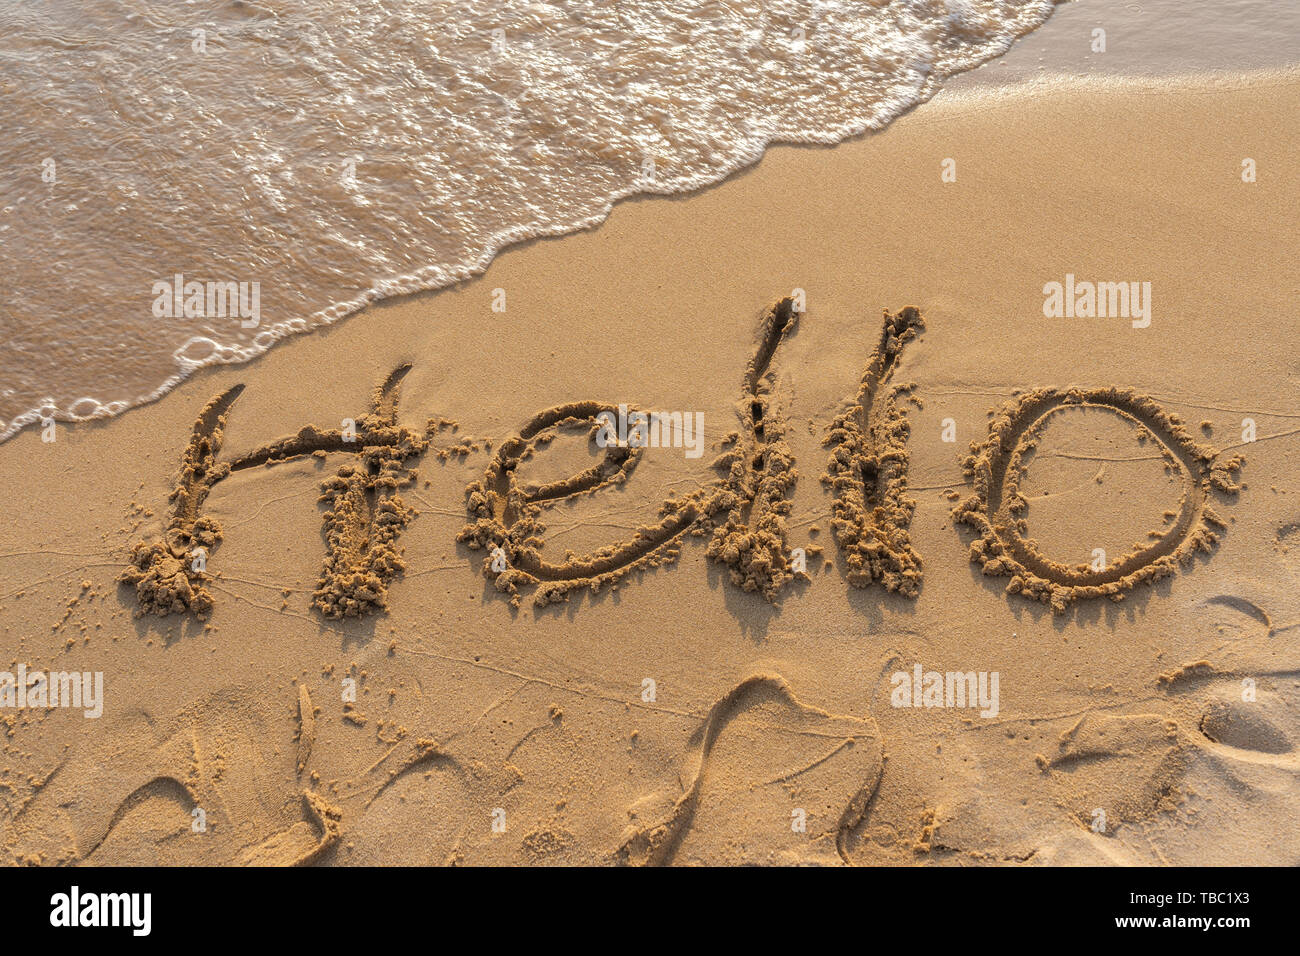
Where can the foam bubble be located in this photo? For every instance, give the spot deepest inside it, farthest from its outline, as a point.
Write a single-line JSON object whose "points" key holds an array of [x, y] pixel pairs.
{"points": [[432, 142]]}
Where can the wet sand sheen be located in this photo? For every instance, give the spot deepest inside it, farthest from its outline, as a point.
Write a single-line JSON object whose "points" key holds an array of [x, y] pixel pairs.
{"points": [[465, 706], [205, 188]]}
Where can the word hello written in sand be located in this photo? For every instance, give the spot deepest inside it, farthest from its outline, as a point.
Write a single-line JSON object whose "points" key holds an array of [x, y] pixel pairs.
{"points": [[743, 512]]}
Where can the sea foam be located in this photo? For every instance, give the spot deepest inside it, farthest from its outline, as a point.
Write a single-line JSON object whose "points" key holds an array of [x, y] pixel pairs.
{"points": [[337, 152]]}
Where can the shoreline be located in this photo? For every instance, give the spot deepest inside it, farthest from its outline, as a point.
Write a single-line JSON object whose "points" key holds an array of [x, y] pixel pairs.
{"points": [[342, 232], [955, 95], [465, 704]]}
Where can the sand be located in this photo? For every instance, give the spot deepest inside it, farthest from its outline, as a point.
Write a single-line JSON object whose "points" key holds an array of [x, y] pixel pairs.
{"points": [[434, 621]]}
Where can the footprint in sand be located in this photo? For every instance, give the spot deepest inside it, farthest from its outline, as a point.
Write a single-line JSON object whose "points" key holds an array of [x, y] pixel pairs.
{"points": [[1131, 766], [1243, 772], [418, 814], [771, 780], [1213, 778], [214, 788], [152, 821], [1262, 726]]}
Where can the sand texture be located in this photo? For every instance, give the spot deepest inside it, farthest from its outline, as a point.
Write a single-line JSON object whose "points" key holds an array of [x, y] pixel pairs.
{"points": [[396, 593]]}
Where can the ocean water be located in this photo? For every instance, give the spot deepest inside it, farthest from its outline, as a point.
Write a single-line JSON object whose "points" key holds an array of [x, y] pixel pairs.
{"points": [[318, 155], [1149, 39]]}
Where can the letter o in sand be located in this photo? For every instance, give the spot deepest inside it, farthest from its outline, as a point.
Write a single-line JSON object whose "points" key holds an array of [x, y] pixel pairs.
{"points": [[995, 509]]}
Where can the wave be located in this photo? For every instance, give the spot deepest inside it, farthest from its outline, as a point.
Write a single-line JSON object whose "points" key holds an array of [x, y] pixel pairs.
{"points": [[336, 153]]}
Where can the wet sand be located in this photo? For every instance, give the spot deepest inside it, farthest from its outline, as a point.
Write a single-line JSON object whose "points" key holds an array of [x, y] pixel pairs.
{"points": [[366, 687]]}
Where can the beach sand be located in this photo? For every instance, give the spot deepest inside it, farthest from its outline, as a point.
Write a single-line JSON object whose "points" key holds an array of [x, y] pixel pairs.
{"points": [[670, 716]]}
